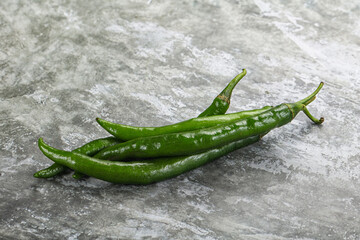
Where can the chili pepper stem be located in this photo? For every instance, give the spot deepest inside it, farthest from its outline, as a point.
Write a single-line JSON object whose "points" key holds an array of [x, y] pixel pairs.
{"points": [[311, 98], [222, 101], [312, 118], [296, 107], [229, 88], [301, 105]]}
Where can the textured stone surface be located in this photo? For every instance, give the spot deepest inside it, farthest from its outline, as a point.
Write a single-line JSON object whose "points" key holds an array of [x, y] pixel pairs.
{"points": [[150, 63]]}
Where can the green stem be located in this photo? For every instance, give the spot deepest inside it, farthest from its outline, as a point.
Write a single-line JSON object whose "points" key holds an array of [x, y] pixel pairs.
{"points": [[311, 98], [229, 88], [312, 118]]}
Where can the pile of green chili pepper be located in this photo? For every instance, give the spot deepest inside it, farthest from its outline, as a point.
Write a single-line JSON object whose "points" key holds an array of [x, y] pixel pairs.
{"points": [[143, 155]]}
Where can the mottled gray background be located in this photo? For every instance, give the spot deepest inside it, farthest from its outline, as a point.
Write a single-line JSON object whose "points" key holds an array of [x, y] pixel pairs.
{"points": [[150, 63]]}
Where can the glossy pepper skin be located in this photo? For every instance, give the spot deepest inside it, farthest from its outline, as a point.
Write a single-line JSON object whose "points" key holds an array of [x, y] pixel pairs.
{"points": [[219, 106], [139, 172], [126, 132], [88, 149], [51, 171], [192, 142], [222, 102]]}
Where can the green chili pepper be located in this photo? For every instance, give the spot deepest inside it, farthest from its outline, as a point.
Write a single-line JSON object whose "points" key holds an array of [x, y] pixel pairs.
{"points": [[222, 102], [126, 132], [192, 142], [219, 106], [138, 172], [88, 149]]}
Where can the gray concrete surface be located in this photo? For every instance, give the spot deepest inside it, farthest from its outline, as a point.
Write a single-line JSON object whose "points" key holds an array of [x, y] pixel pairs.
{"points": [[150, 63]]}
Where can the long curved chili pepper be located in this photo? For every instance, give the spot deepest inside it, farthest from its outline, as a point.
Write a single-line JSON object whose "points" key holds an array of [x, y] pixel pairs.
{"points": [[219, 106], [192, 142], [88, 149], [138, 172], [127, 132]]}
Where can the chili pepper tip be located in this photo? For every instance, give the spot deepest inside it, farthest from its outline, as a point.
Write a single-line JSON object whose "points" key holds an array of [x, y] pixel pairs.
{"points": [[99, 120]]}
